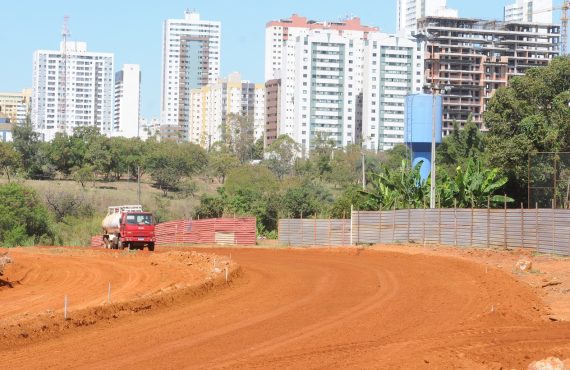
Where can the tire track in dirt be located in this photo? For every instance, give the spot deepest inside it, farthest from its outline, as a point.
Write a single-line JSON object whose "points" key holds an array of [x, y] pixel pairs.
{"points": [[325, 309]]}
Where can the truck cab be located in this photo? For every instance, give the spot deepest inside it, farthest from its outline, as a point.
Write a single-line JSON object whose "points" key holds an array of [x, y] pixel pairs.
{"points": [[128, 227], [137, 230]]}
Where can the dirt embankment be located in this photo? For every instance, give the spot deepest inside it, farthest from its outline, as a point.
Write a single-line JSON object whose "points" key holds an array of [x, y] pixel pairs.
{"points": [[99, 286], [323, 308]]}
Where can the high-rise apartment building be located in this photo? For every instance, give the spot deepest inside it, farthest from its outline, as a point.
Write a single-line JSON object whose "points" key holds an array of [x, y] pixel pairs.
{"points": [[272, 110], [191, 59], [215, 108], [127, 101], [392, 68], [72, 87], [277, 33], [410, 11], [341, 81], [530, 11], [148, 128], [475, 57], [258, 111], [16, 106]]}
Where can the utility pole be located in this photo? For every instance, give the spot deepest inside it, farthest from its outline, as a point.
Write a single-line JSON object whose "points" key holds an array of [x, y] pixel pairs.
{"points": [[139, 184], [363, 172]]}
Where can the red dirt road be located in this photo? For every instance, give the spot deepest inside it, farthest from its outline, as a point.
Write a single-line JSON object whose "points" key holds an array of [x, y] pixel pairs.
{"points": [[323, 309]]}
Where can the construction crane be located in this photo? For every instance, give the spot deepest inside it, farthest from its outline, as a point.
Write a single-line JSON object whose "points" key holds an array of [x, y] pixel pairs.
{"points": [[564, 21], [564, 7], [62, 106]]}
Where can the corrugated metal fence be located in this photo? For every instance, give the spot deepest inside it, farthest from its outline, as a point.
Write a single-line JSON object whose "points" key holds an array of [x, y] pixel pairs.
{"points": [[231, 231], [545, 230]]}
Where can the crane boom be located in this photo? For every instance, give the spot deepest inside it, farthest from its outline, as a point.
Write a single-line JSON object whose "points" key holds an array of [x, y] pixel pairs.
{"points": [[564, 31]]}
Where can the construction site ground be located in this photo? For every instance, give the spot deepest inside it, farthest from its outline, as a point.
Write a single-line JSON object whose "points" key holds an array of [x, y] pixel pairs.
{"points": [[375, 307]]}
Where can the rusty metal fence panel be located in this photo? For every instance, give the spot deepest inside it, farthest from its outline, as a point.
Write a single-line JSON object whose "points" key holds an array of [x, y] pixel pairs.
{"points": [[314, 232], [543, 230]]}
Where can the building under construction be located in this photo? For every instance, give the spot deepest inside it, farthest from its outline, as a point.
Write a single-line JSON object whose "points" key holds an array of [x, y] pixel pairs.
{"points": [[475, 57]]}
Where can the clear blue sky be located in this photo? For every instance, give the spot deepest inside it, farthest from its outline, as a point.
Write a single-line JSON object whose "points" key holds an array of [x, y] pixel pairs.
{"points": [[132, 30]]}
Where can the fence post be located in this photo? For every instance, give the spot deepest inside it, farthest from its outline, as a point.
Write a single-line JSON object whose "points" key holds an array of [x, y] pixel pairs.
{"points": [[536, 228], [302, 239], [330, 230], [553, 220], [408, 231], [394, 224], [439, 225], [471, 236], [315, 230], [351, 209], [343, 228], [424, 224], [522, 225], [380, 225], [488, 222], [455, 222], [357, 227], [505, 224]]}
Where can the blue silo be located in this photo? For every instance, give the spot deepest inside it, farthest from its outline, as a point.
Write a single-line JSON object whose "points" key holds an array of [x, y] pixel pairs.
{"points": [[418, 128]]}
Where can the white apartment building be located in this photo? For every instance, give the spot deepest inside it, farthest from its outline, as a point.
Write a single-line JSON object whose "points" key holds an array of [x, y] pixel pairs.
{"points": [[409, 11], [321, 88], [16, 106], [393, 67], [341, 81], [214, 108], [72, 87], [191, 59], [259, 111], [127, 101], [148, 128], [277, 33], [529, 11]]}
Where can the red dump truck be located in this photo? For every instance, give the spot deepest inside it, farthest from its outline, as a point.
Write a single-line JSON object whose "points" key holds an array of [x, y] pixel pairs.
{"points": [[128, 227]]}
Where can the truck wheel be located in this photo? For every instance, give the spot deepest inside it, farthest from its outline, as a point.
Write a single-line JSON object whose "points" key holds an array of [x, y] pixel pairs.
{"points": [[151, 247]]}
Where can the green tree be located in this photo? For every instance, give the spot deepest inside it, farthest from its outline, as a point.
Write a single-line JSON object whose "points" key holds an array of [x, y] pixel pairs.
{"points": [[170, 163], [461, 146], [281, 155], [10, 159], [23, 217], [531, 115], [257, 178], [34, 153], [305, 199], [221, 161], [210, 207]]}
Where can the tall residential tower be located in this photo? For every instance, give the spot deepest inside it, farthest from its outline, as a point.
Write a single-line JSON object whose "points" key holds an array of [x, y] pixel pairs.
{"points": [[339, 81], [190, 59], [530, 11], [410, 11], [72, 87], [127, 101]]}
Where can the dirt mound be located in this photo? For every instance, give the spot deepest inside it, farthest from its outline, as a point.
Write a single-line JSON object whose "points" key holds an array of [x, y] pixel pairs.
{"points": [[127, 282]]}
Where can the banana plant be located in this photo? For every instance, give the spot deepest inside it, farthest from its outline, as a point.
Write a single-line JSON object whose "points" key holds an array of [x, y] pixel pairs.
{"points": [[473, 186], [402, 188]]}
